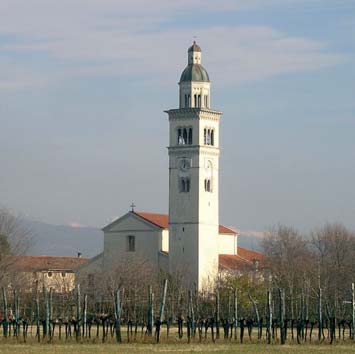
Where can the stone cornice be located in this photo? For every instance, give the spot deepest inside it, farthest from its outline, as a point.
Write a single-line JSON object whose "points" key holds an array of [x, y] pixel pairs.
{"points": [[193, 113], [193, 149]]}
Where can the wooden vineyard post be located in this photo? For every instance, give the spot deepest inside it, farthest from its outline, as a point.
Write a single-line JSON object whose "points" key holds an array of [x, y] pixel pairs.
{"points": [[235, 313], [50, 317], [38, 328], [353, 310], [150, 311], [163, 301], [217, 314], [16, 326], [281, 315], [85, 315], [229, 328], [269, 324], [6, 314], [78, 313], [191, 314], [320, 315], [303, 312], [46, 304], [257, 315], [118, 310]]}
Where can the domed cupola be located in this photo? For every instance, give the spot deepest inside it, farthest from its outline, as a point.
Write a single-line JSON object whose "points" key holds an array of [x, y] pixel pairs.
{"points": [[194, 81], [194, 70]]}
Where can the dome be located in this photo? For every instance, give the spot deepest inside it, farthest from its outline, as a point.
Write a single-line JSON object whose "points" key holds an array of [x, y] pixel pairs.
{"points": [[194, 48], [194, 72]]}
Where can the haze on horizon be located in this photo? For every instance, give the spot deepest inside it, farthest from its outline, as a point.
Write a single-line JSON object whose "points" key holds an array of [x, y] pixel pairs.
{"points": [[83, 87]]}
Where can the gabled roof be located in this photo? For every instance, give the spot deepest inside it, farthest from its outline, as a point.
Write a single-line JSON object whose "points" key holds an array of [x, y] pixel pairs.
{"points": [[45, 263], [244, 259], [162, 221]]}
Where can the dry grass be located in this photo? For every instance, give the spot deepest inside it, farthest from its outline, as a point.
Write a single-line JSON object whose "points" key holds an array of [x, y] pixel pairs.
{"points": [[134, 348]]}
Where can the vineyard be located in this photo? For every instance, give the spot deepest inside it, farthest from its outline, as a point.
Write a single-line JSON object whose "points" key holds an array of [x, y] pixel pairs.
{"points": [[186, 317]]}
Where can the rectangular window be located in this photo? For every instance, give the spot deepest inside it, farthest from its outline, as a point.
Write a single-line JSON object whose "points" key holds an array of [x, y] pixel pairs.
{"points": [[131, 243]]}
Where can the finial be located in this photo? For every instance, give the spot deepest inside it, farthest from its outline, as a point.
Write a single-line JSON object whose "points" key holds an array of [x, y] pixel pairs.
{"points": [[132, 207]]}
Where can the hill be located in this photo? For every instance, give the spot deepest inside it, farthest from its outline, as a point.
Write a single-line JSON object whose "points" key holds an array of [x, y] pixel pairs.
{"points": [[63, 240]]}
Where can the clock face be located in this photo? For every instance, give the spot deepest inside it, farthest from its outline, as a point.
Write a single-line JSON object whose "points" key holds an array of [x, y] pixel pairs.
{"points": [[184, 165]]}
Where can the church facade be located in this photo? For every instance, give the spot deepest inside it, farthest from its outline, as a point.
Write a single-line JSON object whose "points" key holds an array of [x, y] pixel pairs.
{"points": [[190, 239]]}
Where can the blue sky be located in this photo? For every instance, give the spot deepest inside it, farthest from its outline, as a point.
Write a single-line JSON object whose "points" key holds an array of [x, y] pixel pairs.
{"points": [[83, 86]]}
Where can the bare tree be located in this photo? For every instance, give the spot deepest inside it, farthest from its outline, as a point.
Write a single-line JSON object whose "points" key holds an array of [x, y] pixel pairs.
{"points": [[15, 239], [334, 254], [289, 260]]}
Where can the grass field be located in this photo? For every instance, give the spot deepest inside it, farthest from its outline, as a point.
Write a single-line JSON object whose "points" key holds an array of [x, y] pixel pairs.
{"points": [[11, 347]]}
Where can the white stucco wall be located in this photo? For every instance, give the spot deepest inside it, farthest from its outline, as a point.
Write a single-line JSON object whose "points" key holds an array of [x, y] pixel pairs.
{"points": [[147, 240], [227, 244], [165, 241], [194, 221]]}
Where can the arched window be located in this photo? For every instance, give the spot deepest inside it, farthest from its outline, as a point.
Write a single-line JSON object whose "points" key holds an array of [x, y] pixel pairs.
{"points": [[208, 185], [208, 137], [208, 176], [199, 100], [184, 136], [179, 137], [190, 136], [187, 185], [184, 184]]}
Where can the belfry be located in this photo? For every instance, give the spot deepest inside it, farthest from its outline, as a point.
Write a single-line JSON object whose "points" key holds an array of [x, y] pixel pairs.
{"points": [[189, 241], [193, 176]]}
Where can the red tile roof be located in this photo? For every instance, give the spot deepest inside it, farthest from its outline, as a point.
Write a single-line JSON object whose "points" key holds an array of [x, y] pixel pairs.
{"points": [[39, 263], [243, 260], [162, 220]]}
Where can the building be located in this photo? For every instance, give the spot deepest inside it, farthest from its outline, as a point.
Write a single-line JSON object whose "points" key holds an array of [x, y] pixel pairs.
{"points": [[190, 238], [56, 273]]}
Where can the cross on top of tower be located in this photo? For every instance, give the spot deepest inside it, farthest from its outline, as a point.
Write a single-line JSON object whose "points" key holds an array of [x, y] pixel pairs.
{"points": [[132, 207]]}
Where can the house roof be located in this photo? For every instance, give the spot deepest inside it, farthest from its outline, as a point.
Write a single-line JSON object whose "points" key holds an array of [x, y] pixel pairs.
{"points": [[162, 221], [44, 263], [244, 259]]}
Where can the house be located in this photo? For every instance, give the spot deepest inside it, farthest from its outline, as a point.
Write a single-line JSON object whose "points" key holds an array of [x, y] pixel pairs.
{"points": [[56, 273]]}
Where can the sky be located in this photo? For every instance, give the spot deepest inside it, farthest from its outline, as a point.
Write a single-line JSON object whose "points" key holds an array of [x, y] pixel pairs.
{"points": [[84, 86]]}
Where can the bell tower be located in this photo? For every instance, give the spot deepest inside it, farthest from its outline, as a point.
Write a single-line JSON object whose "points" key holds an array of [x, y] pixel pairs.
{"points": [[193, 177]]}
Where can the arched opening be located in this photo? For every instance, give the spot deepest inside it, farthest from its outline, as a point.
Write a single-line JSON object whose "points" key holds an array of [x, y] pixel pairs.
{"points": [[184, 136], [190, 136], [184, 184]]}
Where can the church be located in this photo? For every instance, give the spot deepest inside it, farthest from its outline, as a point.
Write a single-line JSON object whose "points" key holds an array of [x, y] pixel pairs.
{"points": [[190, 239]]}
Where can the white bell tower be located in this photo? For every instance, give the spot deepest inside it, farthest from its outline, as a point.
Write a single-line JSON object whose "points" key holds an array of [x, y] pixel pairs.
{"points": [[193, 177]]}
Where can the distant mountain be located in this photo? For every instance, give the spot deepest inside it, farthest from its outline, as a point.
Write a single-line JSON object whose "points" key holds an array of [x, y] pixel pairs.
{"points": [[62, 240], [250, 240]]}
